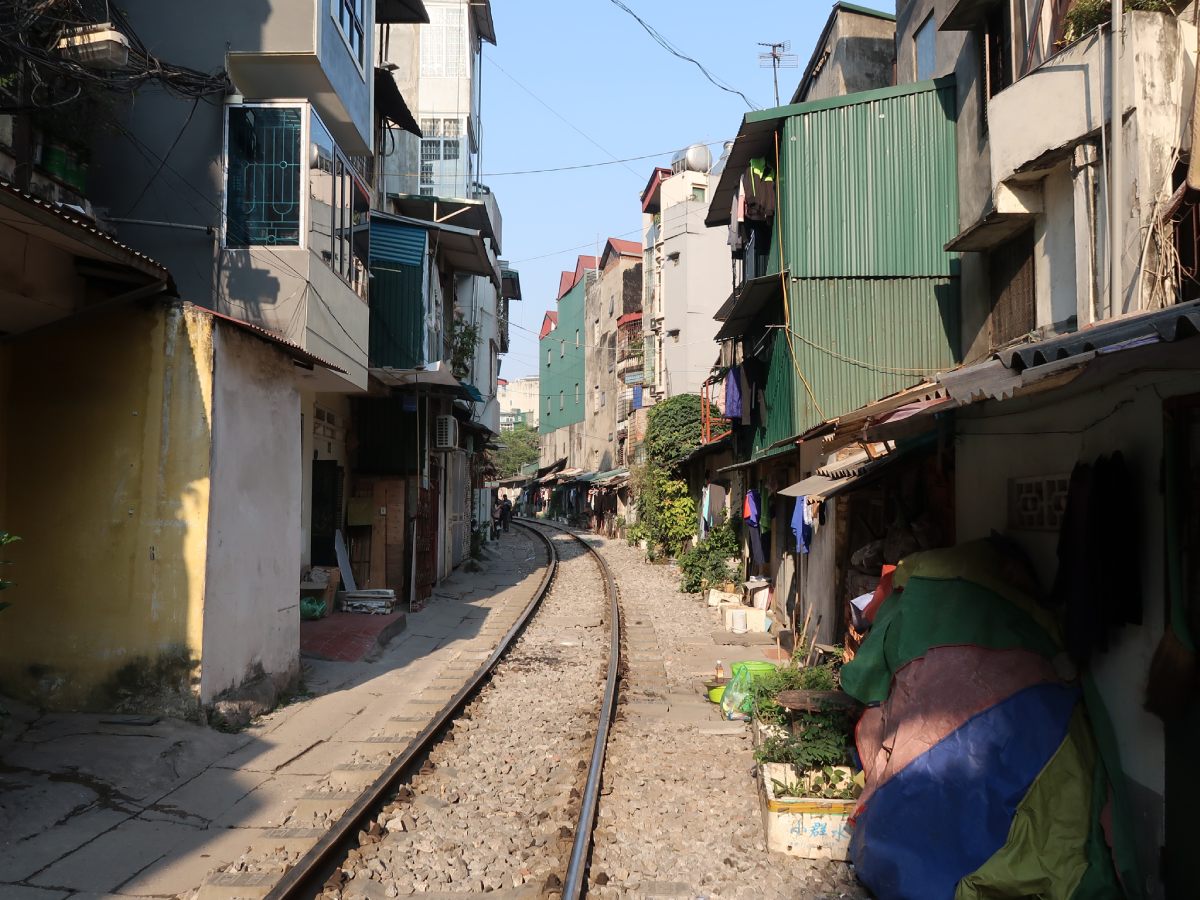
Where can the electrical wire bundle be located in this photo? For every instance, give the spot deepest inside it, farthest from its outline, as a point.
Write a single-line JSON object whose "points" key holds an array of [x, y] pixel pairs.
{"points": [[30, 31]]}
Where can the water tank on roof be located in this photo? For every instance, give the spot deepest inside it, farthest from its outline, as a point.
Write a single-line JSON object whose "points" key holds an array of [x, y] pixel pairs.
{"points": [[695, 158], [720, 166]]}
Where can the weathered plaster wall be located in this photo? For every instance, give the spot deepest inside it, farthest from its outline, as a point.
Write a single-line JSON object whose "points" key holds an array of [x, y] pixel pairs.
{"points": [[861, 53], [251, 617], [1047, 436], [106, 455]]}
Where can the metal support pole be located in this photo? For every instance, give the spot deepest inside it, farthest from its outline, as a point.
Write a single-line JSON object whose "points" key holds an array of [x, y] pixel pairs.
{"points": [[1116, 171]]}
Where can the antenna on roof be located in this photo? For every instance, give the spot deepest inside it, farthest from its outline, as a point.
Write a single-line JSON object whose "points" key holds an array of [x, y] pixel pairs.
{"points": [[777, 57]]}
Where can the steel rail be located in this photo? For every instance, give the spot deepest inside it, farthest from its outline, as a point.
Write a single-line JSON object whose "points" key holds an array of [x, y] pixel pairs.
{"points": [[581, 847], [307, 877]]}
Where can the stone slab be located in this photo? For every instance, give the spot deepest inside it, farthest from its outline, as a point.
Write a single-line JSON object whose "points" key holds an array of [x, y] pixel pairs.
{"points": [[212, 793], [109, 860], [20, 860]]}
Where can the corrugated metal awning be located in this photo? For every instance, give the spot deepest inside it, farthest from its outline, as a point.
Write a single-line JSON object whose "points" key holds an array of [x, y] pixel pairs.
{"points": [[401, 12], [754, 296], [463, 249]]}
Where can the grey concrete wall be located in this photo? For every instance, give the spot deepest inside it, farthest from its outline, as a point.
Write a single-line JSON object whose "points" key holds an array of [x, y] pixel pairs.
{"points": [[251, 616], [861, 50], [958, 54]]}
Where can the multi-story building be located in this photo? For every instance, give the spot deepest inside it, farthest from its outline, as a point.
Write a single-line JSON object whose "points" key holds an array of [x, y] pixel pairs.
{"points": [[612, 307], [687, 275], [561, 367], [521, 395]]}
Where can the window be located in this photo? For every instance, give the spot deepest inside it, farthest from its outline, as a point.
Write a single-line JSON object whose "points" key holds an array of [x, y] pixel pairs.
{"points": [[338, 207], [997, 50], [349, 14], [443, 163], [578, 395], [562, 349], [698, 194], [444, 42], [1013, 311], [925, 49], [549, 355], [576, 338], [263, 176], [561, 400]]}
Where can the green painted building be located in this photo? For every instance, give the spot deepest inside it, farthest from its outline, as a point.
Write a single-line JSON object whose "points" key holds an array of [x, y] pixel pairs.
{"points": [[866, 192], [561, 354]]}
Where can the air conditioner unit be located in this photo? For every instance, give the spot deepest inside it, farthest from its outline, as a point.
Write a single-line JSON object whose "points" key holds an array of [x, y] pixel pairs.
{"points": [[445, 436]]}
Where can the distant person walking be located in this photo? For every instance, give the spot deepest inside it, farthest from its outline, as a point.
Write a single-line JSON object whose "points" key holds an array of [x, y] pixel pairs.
{"points": [[497, 514], [506, 513]]}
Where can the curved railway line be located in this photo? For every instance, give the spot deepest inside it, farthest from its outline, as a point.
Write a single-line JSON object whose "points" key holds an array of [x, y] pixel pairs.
{"points": [[324, 870]]}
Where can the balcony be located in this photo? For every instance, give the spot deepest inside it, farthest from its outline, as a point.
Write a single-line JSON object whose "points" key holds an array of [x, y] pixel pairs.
{"points": [[1036, 122], [322, 53]]}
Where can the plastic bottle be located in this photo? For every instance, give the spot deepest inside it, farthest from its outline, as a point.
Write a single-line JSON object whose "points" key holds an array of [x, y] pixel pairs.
{"points": [[720, 671]]}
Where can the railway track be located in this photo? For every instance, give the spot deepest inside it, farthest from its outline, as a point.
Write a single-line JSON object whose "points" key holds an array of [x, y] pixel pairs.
{"points": [[452, 797]]}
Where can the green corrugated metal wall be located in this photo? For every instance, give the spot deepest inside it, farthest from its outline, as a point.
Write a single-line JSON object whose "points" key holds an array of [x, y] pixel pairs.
{"points": [[778, 393], [868, 198], [901, 330], [869, 189], [397, 331]]}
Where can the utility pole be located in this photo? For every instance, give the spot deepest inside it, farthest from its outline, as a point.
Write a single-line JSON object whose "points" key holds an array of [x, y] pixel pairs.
{"points": [[777, 57]]}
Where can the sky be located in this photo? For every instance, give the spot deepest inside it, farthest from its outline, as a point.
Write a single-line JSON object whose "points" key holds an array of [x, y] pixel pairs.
{"points": [[578, 82]]}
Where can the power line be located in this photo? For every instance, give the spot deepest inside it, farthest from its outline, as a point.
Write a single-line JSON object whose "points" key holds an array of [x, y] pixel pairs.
{"points": [[676, 52], [583, 246], [568, 122]]}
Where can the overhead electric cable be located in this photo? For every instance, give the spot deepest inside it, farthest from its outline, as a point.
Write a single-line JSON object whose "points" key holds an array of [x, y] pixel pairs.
{"points": [[676, 52]]}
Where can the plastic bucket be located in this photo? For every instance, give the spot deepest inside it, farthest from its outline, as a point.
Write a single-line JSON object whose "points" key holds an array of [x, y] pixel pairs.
{"points": [[756, 668], [740, 625]]}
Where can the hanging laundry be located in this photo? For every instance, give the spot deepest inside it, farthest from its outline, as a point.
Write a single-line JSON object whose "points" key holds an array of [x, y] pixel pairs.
{"points": [[733, 393], [751, 515], [758, 186], [802, 525]]}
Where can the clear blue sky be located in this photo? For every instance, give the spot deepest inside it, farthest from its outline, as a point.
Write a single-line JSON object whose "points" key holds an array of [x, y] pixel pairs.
{"points": [[596, 68]]}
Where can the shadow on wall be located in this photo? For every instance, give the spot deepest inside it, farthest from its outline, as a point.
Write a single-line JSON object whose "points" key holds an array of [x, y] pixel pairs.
{"points": [[106, 453]]}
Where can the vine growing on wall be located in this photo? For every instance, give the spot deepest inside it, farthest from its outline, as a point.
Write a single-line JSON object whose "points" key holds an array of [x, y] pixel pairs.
{"points": [[464, 341]]}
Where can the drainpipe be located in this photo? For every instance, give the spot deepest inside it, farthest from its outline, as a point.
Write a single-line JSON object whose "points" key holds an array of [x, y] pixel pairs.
{"points": [[1116, 172]]}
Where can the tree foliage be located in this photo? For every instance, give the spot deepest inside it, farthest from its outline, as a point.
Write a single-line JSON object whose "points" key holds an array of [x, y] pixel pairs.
{"points": [[666, 513], [673, 430], [520, 449]]}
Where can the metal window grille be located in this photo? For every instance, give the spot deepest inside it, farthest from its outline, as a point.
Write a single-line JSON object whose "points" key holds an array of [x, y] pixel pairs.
{"points": [[264, 176], [444, 43]]}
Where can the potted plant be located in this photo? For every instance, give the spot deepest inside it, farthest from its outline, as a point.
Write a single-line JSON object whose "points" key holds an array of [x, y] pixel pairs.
{"points": [[808, 785]]}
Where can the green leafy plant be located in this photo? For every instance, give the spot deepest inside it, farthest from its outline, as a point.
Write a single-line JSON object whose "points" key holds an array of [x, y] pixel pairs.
{"points": [[5, 540], [666, 511], [673, 430], [520, 447], [819, 739], [817, 678], [707, 560], [1085, 15], [464, 339]]}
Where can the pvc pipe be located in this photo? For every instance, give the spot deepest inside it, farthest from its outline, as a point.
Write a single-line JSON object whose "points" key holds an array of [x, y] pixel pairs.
{"points": [[1116, 171]]}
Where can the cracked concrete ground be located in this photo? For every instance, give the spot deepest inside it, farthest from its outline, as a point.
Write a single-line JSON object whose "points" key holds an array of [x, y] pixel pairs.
{"points": [[105, 806]]}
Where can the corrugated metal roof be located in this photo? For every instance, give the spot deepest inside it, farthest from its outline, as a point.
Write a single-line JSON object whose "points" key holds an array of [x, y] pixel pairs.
{"points": [[65, 221], [291, 348], [398, 242], [1166, 325], [753, 297]]}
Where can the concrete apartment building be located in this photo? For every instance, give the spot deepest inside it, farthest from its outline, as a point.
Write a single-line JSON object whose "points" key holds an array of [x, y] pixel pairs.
{"points": [[521, 395], [687, 275]]}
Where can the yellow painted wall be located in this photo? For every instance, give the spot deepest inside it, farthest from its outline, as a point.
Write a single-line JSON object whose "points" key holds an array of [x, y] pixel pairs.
{"points": [[105, 451]]}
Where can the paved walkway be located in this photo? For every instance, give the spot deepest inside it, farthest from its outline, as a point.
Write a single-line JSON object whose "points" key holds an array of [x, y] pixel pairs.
{"points": [[95, 806]]}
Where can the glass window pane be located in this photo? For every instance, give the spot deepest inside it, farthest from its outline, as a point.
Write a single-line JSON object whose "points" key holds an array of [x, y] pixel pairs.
{"points": [[450, 149], [322, 193], [431, 150], [263, 184], [925, 41]]}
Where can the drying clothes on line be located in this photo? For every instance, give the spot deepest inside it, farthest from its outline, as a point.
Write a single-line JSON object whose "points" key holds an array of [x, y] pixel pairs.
{"points": [[802, 525], [758, 187], [746, 393], [733, 393], [750, 512]]}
